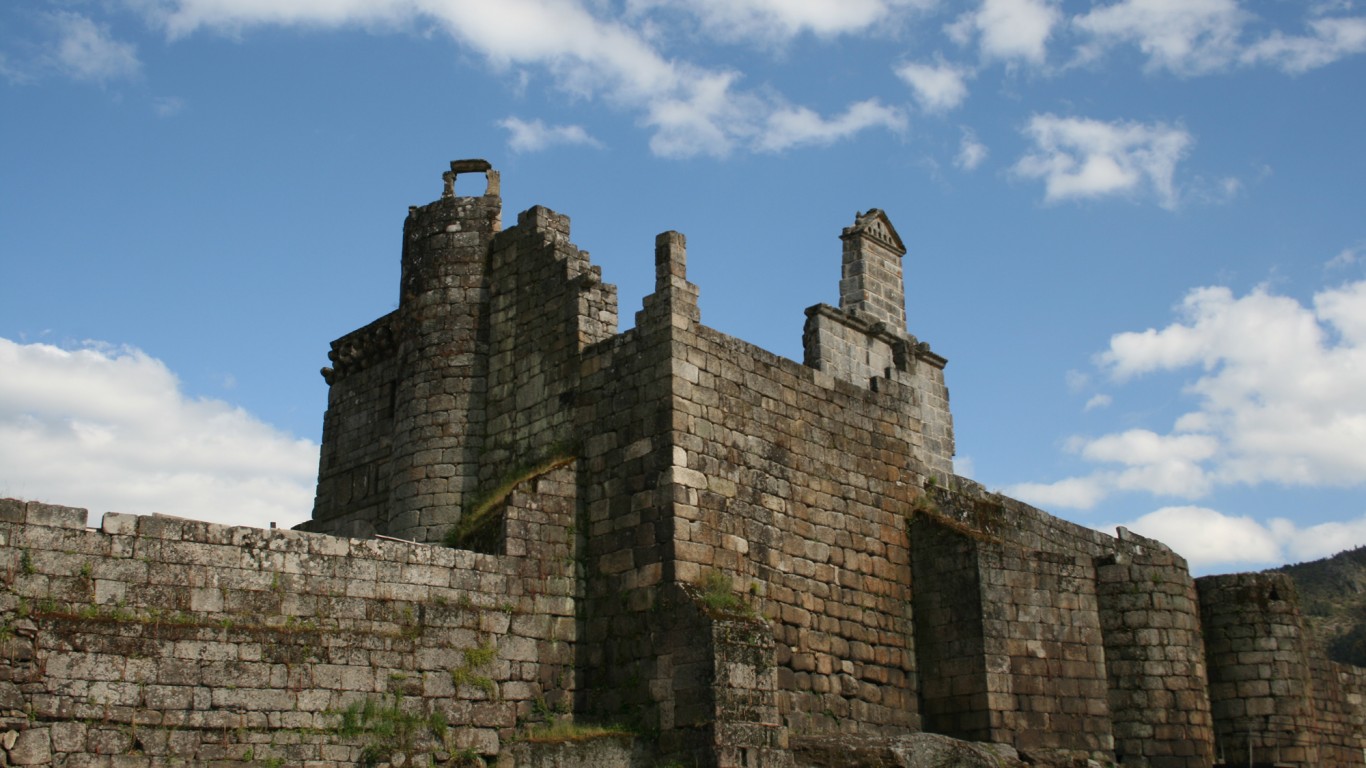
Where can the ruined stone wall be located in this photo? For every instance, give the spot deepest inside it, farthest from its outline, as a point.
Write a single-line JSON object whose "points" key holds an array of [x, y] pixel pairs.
{"points": [[1029, 668], [967, 503], [546, 304], [1046, 682], [926, 379], [155, 637], [647, 658], [442, 370], [1154, 655], [358, 431], [796, 485], [949, 641], [1086, 602], [1338, 705], [665, 528], [847, 348], [870, 354], [1271, 691]]}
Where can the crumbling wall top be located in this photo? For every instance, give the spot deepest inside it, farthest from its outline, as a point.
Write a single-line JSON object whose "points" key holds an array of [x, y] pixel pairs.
{"points": [[471, 165]]}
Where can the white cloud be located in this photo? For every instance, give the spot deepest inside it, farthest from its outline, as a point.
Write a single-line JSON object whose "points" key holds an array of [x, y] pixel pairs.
{"points": [[1183, 36], [797, 126], [1098, 401], [1161, 465], [536, 135], [1140, 446], [1278, 399], [1330, 39], [692, 109], [781, 20], [1213, 541], [167, 106], [1345, 258], [1009, 30], [705, 118], [109, 429], [1082, 158], [1209, 539], [971, 152], [86, 51], [1193, 37], [938, 87], [1071, 493]]}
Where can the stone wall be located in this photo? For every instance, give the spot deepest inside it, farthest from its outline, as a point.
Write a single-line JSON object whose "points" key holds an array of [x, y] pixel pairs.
{"points": [[1272, 693], [1154, 655], [949, 641], [1099, 634], [358, 431], [1012, 649], [442, 373], [795, 486], [152, 638]]}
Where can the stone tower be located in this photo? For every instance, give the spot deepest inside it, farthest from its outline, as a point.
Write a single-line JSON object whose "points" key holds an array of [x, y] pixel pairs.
{"points": [[440, 371]]}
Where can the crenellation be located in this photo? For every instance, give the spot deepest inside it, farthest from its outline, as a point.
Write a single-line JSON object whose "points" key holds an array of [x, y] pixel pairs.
{"points": [[746, 558]]}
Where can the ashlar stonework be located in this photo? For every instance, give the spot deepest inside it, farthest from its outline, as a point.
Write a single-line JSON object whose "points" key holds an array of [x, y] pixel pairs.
{"points": [[526, 517]]}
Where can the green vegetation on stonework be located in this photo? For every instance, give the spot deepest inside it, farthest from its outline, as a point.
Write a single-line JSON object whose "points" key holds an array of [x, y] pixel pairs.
{"points": [[562, 731], [718, 595], [485, 504], [474, 660], [388, 730]]}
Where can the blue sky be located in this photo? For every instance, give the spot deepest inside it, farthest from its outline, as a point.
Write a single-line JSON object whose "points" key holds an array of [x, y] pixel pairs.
{"points": [[1135, 226]]}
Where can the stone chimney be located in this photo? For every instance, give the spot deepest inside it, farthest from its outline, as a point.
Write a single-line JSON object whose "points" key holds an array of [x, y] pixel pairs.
{"points": [[870, 280]]}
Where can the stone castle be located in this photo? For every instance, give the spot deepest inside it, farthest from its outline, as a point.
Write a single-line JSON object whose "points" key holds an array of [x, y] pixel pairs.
{"points": [[528, 522]]}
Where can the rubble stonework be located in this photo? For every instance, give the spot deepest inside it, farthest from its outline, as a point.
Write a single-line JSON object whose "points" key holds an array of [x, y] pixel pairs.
{"points": [[741, 559]]}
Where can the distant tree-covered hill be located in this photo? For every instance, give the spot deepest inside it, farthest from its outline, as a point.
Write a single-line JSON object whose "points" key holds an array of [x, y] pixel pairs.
{"points": [[1333, 602]]}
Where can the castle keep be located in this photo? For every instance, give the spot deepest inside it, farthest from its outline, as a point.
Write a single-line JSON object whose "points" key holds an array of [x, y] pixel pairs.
{"points": [[526, 515]]}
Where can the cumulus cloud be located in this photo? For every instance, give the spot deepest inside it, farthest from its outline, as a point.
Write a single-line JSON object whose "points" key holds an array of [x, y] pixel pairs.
{"points": [[796, 126], [1215, 542], [1081, 158], [1195, 37], [938, 87], [1345, 258], [87, 51], [781, 20], [1329, 39], [1098, 401], [535, 135], [1209, 539], [971, 152], [1071, 493], [1009, 30], [109, 429], [1278, 400], [692, 109], [1187, 37]]}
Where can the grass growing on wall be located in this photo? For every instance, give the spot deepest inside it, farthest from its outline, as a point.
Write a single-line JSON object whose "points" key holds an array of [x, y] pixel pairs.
{"points": [[388, 730], [717, 594], [562, 731], [474, 660], [482, 514]]}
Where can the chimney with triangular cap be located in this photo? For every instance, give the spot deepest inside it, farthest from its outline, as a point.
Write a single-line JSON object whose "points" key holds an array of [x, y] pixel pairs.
{"points": [[870, 278]]}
